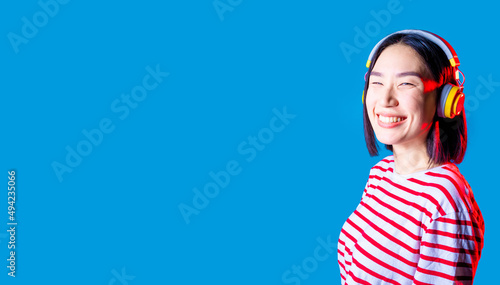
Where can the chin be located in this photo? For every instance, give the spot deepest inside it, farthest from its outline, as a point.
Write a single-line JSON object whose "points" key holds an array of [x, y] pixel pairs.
{"points": [[388, 141]]}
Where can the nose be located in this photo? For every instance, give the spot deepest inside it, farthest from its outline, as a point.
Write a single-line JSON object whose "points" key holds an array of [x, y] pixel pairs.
{"points": [[388, 97]]}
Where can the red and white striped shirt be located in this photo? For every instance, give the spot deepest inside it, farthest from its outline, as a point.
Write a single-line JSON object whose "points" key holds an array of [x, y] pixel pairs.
{"points": [[420, 228]]}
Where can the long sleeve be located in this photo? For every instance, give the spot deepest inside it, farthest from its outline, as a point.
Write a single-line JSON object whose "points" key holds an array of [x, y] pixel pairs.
{"points": [[450, 249]]}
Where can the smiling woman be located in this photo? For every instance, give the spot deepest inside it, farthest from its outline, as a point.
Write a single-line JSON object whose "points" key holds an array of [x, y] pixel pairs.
{"points": [[417, 222], [400, 112]]}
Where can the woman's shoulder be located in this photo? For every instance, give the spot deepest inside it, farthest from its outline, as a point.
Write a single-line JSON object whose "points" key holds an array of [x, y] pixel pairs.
{"points": [[443, 187], [383, 166], [448, 187]]}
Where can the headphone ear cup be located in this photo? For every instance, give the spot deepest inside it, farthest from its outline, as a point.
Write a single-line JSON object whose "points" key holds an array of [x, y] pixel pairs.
{"points": [[451, 101]]}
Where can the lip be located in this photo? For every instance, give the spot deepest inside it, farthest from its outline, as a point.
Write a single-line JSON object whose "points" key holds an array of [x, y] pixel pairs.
{"points": [[389, 125]]}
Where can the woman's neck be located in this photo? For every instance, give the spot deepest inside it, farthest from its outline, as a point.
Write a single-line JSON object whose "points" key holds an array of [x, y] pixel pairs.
{"points": [[411, 159]]}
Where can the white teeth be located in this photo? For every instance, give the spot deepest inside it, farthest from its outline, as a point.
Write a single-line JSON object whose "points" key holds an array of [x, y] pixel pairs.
{"points": [[390, 119]]}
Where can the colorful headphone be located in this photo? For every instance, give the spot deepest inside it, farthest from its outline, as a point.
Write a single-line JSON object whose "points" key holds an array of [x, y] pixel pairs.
{"points": [[451, 100]]}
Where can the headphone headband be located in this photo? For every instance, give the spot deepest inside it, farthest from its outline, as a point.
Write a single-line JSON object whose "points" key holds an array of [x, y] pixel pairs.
{"points": [[442, 43]]}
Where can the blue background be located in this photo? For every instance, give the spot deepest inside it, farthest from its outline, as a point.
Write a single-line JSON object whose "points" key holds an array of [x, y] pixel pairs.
{"points": [[118, 210]]}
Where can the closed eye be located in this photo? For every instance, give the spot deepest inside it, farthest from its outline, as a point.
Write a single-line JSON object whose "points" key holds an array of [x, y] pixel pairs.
{"points": [[407, 84], [377, 83]]}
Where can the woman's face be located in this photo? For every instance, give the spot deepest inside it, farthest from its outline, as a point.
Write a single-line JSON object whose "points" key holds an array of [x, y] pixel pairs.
{"points": [[399, 105]]}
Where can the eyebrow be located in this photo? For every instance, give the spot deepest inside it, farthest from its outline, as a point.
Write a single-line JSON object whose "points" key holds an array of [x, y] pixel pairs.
{"points": [[401, 74]]}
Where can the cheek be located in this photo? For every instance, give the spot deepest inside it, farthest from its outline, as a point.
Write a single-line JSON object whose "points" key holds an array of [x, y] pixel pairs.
{"points": [[415, 102], [370, 100], [423, 109]]}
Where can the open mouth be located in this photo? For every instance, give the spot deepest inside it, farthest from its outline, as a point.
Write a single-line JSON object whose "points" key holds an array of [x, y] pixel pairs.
{"points": [[390, 122]]}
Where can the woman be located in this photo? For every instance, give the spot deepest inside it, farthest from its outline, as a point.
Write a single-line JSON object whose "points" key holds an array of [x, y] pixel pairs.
{"points": [[417, 222]]}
